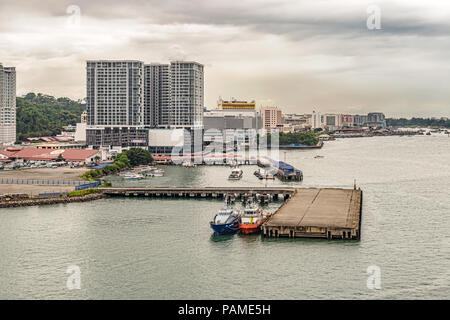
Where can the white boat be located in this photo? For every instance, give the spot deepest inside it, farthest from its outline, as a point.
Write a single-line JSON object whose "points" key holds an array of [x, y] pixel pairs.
{"points": [[188, 164], [132, 176], [235, 174], [158, 173]]}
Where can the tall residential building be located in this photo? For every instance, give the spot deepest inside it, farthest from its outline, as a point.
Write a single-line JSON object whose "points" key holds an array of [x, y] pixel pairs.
{"points": [[187, 94], [7, 105], [115, 94], [271, 117], [115, 103], [126, 97], [316, 120], [157, 94]]}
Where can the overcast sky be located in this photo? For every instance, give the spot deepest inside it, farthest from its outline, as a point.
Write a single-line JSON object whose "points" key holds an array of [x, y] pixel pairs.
{"points": [[298, 55]]}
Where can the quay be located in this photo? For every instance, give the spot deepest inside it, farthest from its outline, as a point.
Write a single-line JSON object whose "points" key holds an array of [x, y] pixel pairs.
{"points": [[244, 193], [318, 213]]}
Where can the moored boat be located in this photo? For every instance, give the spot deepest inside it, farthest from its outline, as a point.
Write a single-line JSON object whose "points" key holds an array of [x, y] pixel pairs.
{"points": [[225, 221], [132, 176], [235, 174], [251, 219]]}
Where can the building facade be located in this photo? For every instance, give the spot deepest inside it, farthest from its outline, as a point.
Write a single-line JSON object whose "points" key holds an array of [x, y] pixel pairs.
{"points": [[126, 97], [236, 105], [7, 105], [157, 94], [187, 95], [271, 117]]}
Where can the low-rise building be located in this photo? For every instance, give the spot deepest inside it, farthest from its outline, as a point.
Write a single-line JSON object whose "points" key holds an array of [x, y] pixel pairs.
{"points": [[35, 154]]}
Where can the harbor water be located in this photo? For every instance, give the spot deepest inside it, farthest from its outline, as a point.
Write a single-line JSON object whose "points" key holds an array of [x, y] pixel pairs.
{"points": [[137, 248]]}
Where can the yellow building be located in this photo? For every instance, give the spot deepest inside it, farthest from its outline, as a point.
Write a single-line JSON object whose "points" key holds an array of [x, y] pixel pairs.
{"points": [[236, 105]]}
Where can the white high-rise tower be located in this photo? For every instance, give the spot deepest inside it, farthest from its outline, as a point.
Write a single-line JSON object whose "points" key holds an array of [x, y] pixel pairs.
{"points": [[7, 105]]}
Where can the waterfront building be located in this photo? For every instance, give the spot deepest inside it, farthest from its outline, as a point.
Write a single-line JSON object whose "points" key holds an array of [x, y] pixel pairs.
{"points": [[360, 120], [164, 141], [347, 120], [271, 117], [375, 117], [331, 121], [7, 105]]}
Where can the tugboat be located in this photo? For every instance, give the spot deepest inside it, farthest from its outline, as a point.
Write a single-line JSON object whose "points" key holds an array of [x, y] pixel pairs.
{"points": [[251, 220], [235, 174], [226, 221]]}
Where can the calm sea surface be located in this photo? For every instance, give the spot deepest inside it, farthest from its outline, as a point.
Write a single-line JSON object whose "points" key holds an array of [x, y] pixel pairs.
{"points": [[163, 249]]}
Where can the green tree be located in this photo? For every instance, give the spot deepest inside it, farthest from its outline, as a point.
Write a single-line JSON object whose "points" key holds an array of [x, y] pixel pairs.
{"points": [[44, 115], [138, 156]]}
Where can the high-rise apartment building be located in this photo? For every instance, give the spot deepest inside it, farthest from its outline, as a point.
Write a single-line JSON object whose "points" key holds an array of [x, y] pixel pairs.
{"points": [[157, 94], [187, 94], [115, 95], [125, 98], [7, 105]]}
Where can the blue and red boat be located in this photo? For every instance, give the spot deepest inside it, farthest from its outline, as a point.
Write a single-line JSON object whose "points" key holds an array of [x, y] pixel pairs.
{"points": [[226, 221]]}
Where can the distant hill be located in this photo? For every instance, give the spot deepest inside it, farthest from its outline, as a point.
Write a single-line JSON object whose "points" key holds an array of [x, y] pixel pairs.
{"points": [[44, 115]]}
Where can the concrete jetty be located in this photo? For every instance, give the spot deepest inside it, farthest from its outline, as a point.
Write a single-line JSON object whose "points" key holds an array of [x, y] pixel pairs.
{"points": [[318, 213], [262, 194]]}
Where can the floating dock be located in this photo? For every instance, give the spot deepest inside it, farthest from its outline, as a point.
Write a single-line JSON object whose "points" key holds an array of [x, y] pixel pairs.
{"points": [[318, 213]]}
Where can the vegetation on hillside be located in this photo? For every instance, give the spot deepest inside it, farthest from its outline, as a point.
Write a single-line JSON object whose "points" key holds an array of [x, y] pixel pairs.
{"points": [[418, 122], [43, 115], [306, 138], [127, 159]]}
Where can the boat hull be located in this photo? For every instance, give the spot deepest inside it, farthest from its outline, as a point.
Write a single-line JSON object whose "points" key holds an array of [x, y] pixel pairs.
{"points": [[225, 228], [249, 228]]}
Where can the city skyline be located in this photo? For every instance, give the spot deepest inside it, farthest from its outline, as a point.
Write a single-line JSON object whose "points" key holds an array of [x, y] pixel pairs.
{"points": [[276, 53]]}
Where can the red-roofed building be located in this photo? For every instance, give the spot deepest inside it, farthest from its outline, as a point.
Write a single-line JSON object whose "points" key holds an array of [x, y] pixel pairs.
{"points": [[35, 154]]}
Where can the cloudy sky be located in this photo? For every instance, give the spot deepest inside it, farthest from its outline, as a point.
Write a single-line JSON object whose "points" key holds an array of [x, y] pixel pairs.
{"points": [[299, 55]]}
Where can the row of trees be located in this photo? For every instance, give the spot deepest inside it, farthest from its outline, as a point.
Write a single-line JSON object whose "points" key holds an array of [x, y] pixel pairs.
{"points": [[43, 115], [306, 138], [127, 159]]}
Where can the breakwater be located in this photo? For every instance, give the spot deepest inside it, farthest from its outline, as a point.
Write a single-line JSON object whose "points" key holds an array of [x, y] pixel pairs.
{"points": [[51, 200]]}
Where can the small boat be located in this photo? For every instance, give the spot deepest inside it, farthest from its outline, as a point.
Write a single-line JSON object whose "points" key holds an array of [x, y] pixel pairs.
{"points": [[158, 173], [235, 174], [225, 221], [188, 164], [258, 174], [318, 157], [264, 174], [251, 219], [132, 176]]}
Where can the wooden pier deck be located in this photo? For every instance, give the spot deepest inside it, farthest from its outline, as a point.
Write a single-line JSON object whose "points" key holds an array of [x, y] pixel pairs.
{"points": [[318, 213]]}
